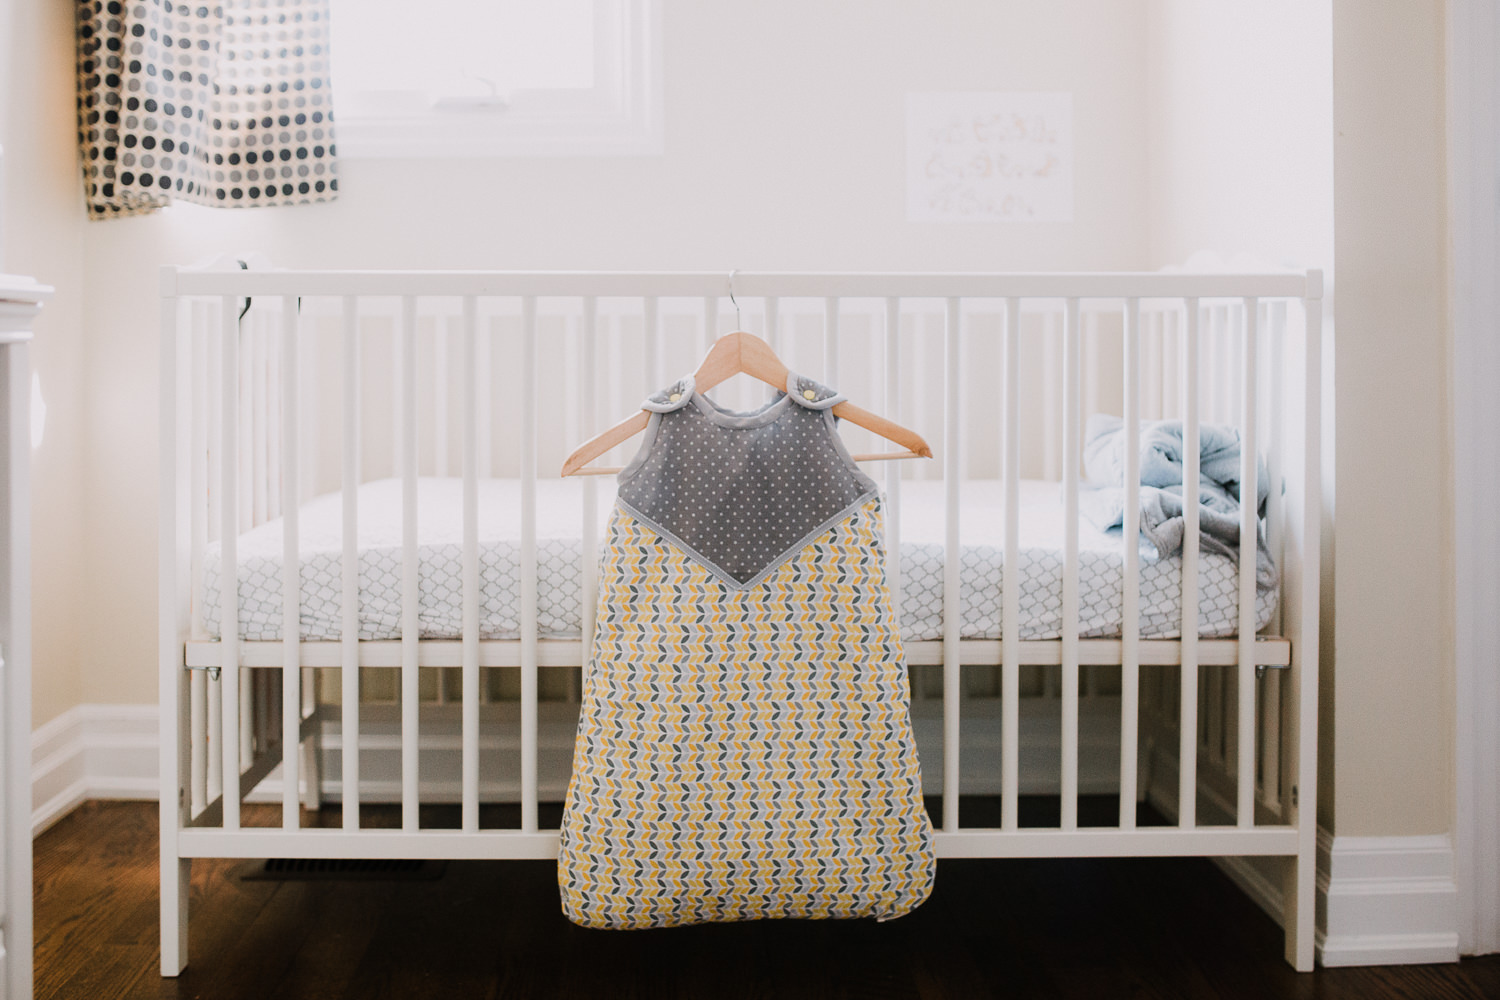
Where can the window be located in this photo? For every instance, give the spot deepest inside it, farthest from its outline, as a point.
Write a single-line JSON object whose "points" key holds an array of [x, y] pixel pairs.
{"points": [[496, 77]]}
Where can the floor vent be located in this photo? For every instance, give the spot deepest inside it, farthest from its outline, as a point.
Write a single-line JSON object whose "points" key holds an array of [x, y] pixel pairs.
{"points": [[344, 869]]}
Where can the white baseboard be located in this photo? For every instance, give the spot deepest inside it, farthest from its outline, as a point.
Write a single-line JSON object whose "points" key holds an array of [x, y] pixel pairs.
{"points": [[92, 752], [1380, 900], [1387, 900], [110, 752]]}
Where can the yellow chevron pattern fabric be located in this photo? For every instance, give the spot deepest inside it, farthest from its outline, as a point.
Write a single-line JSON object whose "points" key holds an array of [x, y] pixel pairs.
{"points": [[744, 754]]}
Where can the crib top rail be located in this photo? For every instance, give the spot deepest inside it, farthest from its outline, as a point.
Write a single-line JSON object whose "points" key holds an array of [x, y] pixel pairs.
{"points": [[1094, 285]]}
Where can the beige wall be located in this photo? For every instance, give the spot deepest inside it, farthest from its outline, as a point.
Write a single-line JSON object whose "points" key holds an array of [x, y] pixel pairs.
{"points": [[784, 149], [41, 220], [1240, 152], [1393, 699]]}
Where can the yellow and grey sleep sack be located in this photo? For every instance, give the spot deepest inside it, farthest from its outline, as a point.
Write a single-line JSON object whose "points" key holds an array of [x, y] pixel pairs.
{"points": [[745, 747]]}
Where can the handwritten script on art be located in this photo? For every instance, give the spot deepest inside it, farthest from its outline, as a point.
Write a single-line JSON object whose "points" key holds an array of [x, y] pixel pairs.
{"points": [[989, 157]]}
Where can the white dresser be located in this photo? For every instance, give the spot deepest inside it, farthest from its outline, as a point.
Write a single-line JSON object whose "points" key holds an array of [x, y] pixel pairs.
{"points": [[20, 301]]}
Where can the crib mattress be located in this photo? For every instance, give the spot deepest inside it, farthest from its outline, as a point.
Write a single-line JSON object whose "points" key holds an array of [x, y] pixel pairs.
{"points": [[559, 566]]}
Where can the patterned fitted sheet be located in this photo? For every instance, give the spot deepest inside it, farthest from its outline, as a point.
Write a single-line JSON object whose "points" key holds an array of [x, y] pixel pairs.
{"points": [[559, 566]]}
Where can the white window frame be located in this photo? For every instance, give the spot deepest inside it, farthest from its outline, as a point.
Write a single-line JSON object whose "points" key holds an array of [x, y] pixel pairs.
{"points": [[620, 116]]}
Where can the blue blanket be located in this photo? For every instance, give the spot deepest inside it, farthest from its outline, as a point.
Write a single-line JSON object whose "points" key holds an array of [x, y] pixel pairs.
{"points": [[1102, 501]]}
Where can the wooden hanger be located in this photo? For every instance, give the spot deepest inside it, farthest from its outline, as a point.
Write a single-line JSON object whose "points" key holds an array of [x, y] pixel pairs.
{"points": [[744, 352]]}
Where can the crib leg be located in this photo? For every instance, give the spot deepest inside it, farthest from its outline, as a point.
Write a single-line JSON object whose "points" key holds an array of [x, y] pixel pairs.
{"points": [[175, 874], [1299, 909]]}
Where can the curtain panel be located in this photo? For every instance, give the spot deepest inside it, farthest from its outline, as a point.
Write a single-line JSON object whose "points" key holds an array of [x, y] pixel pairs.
{"points": [[223, 104]]}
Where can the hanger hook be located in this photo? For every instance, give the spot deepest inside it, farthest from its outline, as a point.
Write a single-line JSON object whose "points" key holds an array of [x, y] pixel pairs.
{"points": [[739, 324]]}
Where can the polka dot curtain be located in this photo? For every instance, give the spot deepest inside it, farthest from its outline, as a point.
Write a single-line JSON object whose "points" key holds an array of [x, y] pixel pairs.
{"points": [[225, 104]]}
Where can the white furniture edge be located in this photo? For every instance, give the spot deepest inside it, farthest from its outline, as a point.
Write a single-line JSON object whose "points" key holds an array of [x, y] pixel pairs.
{"points": [[1473, 67], [20, 301]]}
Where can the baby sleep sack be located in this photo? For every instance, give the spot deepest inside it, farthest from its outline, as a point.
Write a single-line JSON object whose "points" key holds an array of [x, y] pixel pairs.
{"points": [[745, 746]]}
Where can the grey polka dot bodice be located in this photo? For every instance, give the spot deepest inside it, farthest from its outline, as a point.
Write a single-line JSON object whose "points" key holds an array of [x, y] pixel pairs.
{"points": [[740, 493]]}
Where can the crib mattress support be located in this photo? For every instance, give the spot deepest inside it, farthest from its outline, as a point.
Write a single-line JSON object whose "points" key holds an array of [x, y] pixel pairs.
{"points": [[1273, 652]]}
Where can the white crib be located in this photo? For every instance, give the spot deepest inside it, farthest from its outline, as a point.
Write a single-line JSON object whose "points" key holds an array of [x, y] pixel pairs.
{"points": [[267, 382]]}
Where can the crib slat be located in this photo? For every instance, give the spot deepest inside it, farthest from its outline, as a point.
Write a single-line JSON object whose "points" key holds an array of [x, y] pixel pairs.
{"points": [[1153, 394], [229, 619], [1213, 365], [1010, 596], [651, 343], [893, 469], [213, 510], [1270, 730], [398, 401], [198, 741], [773, 337], [589, 549], [410, 570], [1130, 627], [1187, 744], [710, 331], [470, 724], [199, 435], [245, 416], [1090, 392], [484, 362], [1227, 398], [440, 401], [311, 437], [214, 785], [1072, 430], [312, 794], [274, 429], [246, 730], [1249, 526], [831, 341], [1220, 408], [349, 628], [528, 566], [1051, 402], [1275, 408], [214, 514], [291, 573], [1168, 361], [707, 334], [611, 394], [256, 369], [952, 471], [921, 366]]}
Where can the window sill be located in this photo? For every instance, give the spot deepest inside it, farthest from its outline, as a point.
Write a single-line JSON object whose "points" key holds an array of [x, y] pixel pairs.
{"points": [[622, 116]]}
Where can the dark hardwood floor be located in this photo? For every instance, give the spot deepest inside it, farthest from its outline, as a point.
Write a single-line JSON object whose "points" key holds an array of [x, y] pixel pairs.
{"points": [[1089, 929]]}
